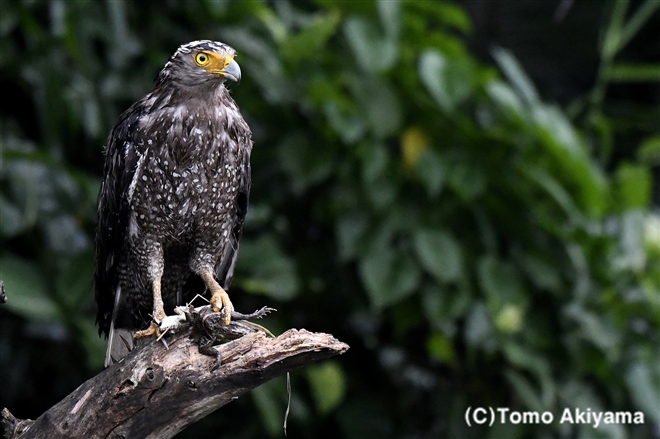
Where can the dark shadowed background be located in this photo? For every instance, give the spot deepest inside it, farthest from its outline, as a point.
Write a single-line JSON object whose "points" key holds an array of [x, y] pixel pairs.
{"points": [[465, 192]]}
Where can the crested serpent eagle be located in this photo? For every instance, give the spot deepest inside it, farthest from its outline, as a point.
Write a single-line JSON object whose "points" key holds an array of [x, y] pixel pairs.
{"points": [[173, 199]]}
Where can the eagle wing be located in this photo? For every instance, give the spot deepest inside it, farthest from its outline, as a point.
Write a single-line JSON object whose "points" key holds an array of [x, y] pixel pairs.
{"points": [[113, 214], [224, 269]]}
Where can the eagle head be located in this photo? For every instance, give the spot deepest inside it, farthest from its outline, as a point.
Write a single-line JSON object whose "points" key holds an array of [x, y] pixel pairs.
{"points": [[201, 61]]}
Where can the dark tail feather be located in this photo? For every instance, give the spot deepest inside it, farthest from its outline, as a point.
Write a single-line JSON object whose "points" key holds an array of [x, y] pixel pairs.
{"points": [[120, 340], [120, 343]]}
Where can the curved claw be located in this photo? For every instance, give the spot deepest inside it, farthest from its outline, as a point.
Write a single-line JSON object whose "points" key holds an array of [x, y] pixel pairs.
{"points": [[152, 330], [220, 303]]}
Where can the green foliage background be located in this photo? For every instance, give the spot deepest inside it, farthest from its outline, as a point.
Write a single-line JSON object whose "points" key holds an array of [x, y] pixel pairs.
{"points": [[475, 244]]}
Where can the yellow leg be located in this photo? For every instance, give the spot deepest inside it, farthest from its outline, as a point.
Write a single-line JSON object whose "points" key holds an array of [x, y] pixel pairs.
{"points": [[219, 297], [158, 313]]}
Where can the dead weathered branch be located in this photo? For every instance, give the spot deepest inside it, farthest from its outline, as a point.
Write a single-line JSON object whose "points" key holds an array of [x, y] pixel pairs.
{"points": [[156, 392]]}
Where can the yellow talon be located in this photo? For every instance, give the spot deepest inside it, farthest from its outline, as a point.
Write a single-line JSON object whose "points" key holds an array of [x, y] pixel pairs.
{"points": [[220, 303], [153, 329]]}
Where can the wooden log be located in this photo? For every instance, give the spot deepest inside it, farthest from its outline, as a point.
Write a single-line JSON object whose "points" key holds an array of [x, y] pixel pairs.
{"points": [[155, 392]]}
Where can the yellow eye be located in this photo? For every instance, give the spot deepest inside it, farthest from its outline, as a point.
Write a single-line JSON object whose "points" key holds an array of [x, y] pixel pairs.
{"points": [[202, 59]]}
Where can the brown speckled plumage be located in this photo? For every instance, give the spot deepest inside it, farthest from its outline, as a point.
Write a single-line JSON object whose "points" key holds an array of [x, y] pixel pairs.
{"points": [[174, 195]]}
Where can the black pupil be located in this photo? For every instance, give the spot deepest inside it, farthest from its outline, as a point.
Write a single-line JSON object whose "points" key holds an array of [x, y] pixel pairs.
{"points": [[202, 58]]}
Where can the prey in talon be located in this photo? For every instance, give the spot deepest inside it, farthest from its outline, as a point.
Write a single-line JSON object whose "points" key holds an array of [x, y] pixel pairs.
{"points": [[173, 198], [211, 327]]}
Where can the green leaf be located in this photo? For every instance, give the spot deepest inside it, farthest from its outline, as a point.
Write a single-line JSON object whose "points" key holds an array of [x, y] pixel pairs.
{"points": [[644, 385], [270, 406], [11, 220], [374, 52], [561, 140], [507, 430], [351, 228], [441, 305], [634, 73], [526, 392], [639, 18], [259, 55], [311, 40], [268, 270], [306, 165], [543, 274], [598, 329], [478, 327], [258, 49], [375, 160], [328, 385], [535, 363], [516, 75], [501, 282], [217, 9], [576, 394], [466, 180], [94, 345], [270, 20], [504, 97], [388, 276], [382, 192], [381, 104], [558, 127], [649, 151], [64, 235], [635, 186], [560, 195], [439, 253], [74, 281], [432, 170], [448, 80], [631, 255], [389, 12], [651, 236], [364, 416], [346, 121], [441, 348], [612, 42], [379, 236], [28, 184], [27, 291], [446, 13]]}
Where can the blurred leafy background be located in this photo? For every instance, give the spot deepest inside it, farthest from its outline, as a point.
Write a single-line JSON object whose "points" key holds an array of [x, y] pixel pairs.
{"points": [[465, 192]]}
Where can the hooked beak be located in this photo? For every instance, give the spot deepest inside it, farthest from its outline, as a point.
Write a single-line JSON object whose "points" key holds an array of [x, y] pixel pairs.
{"points": [[232, 72]]}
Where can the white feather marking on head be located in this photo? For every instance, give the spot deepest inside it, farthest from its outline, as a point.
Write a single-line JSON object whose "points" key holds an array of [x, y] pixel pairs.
{"points": [[187, 48]]}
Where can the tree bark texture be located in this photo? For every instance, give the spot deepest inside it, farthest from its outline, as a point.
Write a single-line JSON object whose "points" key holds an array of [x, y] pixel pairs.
{"points": [[155, 392]]}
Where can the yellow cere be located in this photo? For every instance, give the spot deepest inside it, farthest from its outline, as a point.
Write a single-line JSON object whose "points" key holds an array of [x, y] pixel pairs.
{"points": [[212, 62]]}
